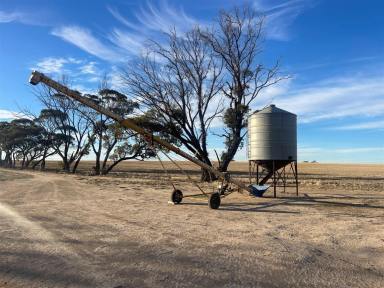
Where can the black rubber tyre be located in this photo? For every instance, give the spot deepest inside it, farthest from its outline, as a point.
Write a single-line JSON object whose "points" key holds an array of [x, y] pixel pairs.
{"points": [[176, 196], [214, 201]]}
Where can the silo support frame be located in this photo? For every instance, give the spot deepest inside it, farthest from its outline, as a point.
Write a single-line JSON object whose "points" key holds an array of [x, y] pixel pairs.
{"points": [[280, 173]]}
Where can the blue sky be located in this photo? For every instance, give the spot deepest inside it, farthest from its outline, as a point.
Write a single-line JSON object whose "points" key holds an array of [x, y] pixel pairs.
{"points": [[333, 50]]}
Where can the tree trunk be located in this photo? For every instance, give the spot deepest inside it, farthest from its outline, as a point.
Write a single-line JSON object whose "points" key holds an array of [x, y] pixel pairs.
{"points": [[27, 163], [42, 162], [74, 169], [109, 169], [207, 176], [7, 160], [228, 156], [42, 165], [97, 164], [98, 153], [66, 165], [34, 165], [23, 163]]}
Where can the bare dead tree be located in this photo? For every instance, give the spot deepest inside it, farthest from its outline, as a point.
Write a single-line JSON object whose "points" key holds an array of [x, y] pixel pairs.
{"points": [[180, 83], [237, 41]]}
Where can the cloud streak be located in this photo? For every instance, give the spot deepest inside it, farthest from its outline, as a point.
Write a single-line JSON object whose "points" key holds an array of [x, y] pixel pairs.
{"points": [[159, 18], [51, 65], [7, 17], [39, 18], [311, 151], [151, 21], [372, 125], [65, 65], [7, 114], [281, 15], [84, 39], [331, 98], [342, 154]]}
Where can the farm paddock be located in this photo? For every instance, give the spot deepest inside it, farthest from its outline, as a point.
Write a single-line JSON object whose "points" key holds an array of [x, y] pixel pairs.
{"points": [[60, 230]]}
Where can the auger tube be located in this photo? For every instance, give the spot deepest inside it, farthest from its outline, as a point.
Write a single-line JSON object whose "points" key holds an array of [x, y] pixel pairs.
{"points": [[38, 77]]}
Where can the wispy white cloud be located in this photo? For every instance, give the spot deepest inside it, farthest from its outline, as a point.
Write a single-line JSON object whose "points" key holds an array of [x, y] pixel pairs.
{"points": [[121, 44], [311, 151], [65, 65], [359, 150], [84, 75], [150, 22], [280, 15], [89, 68], [371, 125], [6, 17], [164, 17], [39, 18], [115, 80], [360, 95], [336, 62], [84, 39], [7, 114], [161, 17], [51, 65], [83, 88], [342, 154], [116, 13], [132, 43]]}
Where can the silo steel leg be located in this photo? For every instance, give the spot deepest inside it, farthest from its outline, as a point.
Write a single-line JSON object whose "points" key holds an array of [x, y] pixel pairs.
{"points": [[274, 178], [250, 171], [296, 178], [257, 173]]}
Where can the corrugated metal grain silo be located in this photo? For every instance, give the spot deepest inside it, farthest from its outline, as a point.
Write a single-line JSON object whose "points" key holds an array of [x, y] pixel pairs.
{"points": [[272, 135], [272, 145]]}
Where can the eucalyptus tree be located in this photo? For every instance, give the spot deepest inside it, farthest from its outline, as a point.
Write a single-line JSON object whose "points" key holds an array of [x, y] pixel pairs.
{"points": [[20, 140], [5, 143], [110, 142], [26, 137], [63, 120]]}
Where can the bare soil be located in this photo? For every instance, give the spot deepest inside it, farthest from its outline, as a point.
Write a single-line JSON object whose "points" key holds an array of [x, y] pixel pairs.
{"points": [[59, 230]]}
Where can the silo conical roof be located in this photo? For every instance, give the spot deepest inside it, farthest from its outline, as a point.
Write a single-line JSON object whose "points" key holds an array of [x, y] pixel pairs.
{"points": [[273, 109]]}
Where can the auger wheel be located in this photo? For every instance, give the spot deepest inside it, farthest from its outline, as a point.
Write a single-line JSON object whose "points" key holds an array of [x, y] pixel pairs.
{"points": [[214, 200], [176, 196]]}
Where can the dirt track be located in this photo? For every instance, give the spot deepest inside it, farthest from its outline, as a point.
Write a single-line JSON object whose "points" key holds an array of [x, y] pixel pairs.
{"points": [[70, 231]]}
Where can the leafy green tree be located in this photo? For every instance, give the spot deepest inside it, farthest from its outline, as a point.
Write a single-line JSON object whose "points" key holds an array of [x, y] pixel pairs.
{"points": [[65, 120], [21, 140], [5, 143], [108, 140]]}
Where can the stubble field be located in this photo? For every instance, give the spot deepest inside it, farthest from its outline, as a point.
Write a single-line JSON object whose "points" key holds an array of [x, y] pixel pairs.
{"points": [[59, 230]]}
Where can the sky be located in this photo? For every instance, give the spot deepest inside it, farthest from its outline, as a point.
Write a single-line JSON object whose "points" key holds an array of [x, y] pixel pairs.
{"points": [[333, 51]]}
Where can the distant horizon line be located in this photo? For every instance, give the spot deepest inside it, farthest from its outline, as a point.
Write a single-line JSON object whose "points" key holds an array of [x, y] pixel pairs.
{"points": [[245, 161]]}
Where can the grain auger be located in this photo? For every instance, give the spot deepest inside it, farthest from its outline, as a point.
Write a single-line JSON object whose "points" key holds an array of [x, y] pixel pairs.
{"points": [[214, 199]]}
